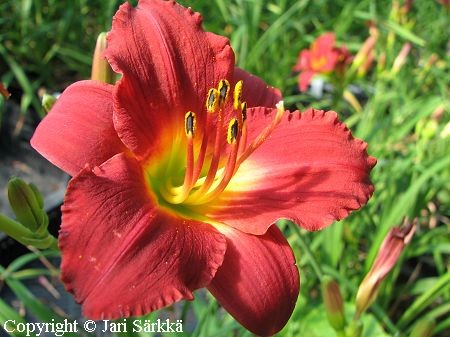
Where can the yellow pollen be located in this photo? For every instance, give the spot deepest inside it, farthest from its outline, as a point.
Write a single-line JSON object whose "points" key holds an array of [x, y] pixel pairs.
{"points": [[189, 123], [233, 130], [212, 100], [223, 88], [237, 95]]}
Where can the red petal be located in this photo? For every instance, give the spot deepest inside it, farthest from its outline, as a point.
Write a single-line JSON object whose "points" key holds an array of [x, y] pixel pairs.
{"points": [[256, 92], [168, 64], [303, 61], [258, 283], [121, 255], [79, 128], [323, 44], [304, 79], [310, 170]]}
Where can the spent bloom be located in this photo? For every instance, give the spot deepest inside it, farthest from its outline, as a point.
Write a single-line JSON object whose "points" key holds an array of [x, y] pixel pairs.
{"points": [[388, 254], [323, 57], [180, 171]]}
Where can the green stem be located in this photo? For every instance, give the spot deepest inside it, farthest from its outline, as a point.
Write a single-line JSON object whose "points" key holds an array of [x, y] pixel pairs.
{"points": [[14, 229], [26, 237]]}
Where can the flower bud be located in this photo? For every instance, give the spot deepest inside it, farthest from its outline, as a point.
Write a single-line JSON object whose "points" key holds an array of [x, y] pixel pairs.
{"points": [[334, 304], [400, 60], [423, 328], [47, 102], [388, 254], [27, 204], [101, 70]]}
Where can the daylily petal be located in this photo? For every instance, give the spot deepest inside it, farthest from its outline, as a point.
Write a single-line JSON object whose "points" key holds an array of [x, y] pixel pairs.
{"points": [[310, 170], [258, 282], [256, 92], [79, 128], [323, 44], [168, 64], [304, 60], [304, 79], [121, 255]]}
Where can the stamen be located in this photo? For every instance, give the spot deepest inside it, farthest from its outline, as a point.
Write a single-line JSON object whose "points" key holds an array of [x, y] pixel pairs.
{"points": [[189, 122], [243, 141], [212, 104], [224, 88], [176, 195], [212, 101], [244, 111], [214, 164], [195, 190], [237, 95], [263, 135], [233, 138], [233, 129]]}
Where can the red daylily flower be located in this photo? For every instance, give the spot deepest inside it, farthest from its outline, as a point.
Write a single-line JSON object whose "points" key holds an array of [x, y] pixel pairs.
{"points": [[181, 170], [322, 58]]}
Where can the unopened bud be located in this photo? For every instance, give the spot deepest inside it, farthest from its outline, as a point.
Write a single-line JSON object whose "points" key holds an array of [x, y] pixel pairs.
{"points": [[388, 254], [366, 49], [27, 204], [400, 60], [101, 69], [334, 304], [47, 102]]}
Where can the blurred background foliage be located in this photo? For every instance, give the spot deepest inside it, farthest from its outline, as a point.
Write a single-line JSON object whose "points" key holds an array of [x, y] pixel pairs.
{"points": [[403, 114]]}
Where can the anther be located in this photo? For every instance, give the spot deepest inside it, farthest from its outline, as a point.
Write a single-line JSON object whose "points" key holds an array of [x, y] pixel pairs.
{"points": [[189, 123], [212, 101], [237, 95], [244, 111], [264, 134], [233, 130], [224, 88]]}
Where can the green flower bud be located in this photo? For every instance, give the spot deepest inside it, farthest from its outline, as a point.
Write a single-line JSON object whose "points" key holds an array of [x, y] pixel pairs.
{"points": [[47, 102], [101, 70], [334, 304], [27, 204]]}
